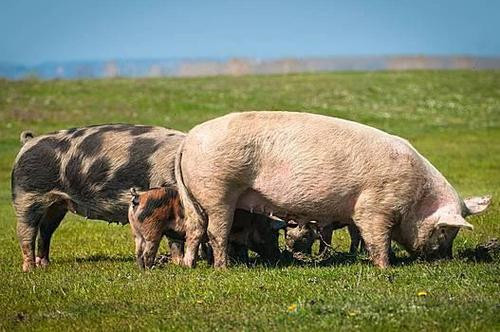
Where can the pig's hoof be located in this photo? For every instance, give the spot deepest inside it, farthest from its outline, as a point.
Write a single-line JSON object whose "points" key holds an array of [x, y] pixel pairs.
{"points": [[188, 263], [177, 260], [381, 264], [41, 262], [28, 266], [220, 267]]}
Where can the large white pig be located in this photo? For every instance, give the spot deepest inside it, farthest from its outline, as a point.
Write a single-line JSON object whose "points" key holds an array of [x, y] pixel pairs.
{"points": [[303, 167]]}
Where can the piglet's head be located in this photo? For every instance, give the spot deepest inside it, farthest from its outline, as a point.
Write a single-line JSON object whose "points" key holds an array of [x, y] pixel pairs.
{"points": [[151, 213], [299, 238]]}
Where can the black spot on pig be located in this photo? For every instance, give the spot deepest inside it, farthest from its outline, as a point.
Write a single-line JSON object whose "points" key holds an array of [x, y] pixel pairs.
{"points": [[151, 205], [116, 128], [79, 132], [136, 171], [34, 213], [139, 130], [71, 130], [74, 177], [63, 145], [91, 144], [37, 170], [99, 171], [80, 184]]}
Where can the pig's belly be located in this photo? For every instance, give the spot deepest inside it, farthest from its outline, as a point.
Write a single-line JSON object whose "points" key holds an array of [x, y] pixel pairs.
{"points": [[298, 204]]}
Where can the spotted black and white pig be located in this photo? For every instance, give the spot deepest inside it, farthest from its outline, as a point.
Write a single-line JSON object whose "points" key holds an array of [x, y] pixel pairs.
{"points": [[303, 167], [88, 171]]}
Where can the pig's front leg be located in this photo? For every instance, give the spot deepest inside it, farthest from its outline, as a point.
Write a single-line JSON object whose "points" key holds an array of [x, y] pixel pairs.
{"points": [[139, 250], [149, 254], [376, 233]]}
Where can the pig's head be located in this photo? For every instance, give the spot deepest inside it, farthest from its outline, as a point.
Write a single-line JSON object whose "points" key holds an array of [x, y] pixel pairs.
{"points": [[151, 215], [438, 230], [299, 238]]}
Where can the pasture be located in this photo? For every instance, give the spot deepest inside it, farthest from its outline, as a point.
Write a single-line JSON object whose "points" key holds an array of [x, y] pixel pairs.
{"points": [[451, 117]]}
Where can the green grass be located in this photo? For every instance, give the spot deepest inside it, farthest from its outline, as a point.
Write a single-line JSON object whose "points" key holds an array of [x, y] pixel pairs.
{"points": [[452, 117]]}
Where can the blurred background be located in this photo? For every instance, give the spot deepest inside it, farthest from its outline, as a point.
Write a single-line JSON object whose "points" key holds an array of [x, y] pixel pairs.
{"points": [[85, 39]]}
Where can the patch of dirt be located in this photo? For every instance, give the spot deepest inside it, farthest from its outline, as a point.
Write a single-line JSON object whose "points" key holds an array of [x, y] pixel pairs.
{"points": [[482, 252]]}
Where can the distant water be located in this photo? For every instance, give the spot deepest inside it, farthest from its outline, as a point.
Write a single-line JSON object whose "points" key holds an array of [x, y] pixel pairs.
{"points": [[238, 66]]}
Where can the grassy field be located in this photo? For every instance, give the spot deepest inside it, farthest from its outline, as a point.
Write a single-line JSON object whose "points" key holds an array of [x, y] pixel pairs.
{"points": [[452, 117]]}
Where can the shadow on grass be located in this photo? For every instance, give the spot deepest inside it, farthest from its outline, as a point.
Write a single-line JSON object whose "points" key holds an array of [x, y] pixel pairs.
{"points": [[398, 257], [104, 258], [487, 253]]}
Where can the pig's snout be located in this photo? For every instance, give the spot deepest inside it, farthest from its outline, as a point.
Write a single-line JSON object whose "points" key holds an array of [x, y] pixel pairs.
{"points": [[300, 239], [444, 251]]}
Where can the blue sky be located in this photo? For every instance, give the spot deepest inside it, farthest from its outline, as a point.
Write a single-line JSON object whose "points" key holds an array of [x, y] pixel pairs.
{"points": [[36, 31]]}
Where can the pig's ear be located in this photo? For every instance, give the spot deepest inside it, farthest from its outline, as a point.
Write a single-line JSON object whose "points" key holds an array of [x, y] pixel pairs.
{"points": [[477, 204], [278, 224], [453, 220]]}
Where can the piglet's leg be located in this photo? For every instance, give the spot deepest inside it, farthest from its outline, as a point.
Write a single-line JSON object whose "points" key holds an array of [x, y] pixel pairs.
{"points": [[176, 249], [149, 254], [139, 250], [356, 241]]}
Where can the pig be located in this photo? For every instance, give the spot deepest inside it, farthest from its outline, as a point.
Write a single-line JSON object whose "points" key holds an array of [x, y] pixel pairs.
{"points": [[158, 212], [303, 167], [300, 238], [88, 171]]}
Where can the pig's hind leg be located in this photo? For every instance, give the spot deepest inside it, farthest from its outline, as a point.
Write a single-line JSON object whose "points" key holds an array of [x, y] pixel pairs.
{"points": [[51, 219], [220, 221], [29, 211]]}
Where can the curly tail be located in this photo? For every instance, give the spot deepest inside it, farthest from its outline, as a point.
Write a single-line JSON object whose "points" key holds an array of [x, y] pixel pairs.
{"points": [[191, 206], [26, 136]]}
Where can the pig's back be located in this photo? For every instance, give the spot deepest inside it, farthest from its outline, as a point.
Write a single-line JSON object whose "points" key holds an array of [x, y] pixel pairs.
{"points": [[96, 166], [317, 162], [301, 139]]}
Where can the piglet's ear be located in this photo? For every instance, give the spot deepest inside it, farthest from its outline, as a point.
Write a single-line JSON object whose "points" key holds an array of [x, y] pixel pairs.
{"points": [[477, 204], [453, 221], [135, 196]]}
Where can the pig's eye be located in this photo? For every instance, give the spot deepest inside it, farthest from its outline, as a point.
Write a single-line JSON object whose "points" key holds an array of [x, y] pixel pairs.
{"points": [[135, 201]]}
